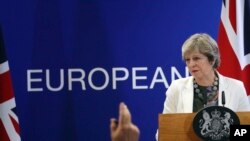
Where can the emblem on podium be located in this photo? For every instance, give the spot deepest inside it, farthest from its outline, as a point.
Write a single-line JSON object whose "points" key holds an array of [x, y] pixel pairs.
{"points": [[213, 123]]}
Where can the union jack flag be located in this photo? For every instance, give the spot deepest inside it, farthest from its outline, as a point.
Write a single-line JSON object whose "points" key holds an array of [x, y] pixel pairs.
{"points": [[233, 40], [9, 125]]}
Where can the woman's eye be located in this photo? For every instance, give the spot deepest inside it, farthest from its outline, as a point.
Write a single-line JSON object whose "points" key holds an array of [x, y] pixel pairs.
{"points": [[196, 58]]}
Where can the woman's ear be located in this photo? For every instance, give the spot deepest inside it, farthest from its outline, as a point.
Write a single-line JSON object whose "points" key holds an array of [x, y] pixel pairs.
{"points": [[212, 62]]}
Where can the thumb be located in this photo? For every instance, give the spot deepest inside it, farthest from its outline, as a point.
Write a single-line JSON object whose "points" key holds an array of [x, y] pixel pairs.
{"points": [[113, 125]]}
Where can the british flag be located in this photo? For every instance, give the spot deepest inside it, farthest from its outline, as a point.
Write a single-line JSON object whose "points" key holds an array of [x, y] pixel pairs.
{"points": [[9, 125], [233, 40]]}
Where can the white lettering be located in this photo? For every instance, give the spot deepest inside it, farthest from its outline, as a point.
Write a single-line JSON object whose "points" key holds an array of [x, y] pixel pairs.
{"points": [[116, 78], [243, 131], [98, 78], [48, 81], [237, 132], [135, 77], [105, 82], [240, 132], [33, 80], [161, 80], [71, 79]]}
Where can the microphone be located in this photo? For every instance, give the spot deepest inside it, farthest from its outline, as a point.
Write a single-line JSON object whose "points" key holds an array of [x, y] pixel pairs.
{"points": [[223, 100], [204, 100]]}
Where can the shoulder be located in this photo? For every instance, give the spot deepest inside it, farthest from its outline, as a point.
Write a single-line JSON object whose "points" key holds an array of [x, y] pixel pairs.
{"points": [[183, 81], [230, 81]]}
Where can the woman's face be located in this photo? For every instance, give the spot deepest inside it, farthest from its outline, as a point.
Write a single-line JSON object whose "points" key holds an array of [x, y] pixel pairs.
{"points": [[198, 65]]}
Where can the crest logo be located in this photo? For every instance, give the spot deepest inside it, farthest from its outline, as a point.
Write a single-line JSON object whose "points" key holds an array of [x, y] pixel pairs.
{"points": [[213, 123]]}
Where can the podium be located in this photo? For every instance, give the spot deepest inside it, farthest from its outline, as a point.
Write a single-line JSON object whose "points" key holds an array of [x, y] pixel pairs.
{"points": [[180, 126]]}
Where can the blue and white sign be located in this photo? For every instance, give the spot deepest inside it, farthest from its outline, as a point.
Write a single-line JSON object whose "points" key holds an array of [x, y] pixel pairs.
{"points": [[73, 62]]}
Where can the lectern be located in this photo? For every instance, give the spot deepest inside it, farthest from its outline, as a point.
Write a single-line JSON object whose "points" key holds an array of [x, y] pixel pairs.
{"points": [[179, 126]]}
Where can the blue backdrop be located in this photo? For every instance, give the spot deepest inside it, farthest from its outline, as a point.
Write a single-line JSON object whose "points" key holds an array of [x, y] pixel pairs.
{"points": [[72, 62]]}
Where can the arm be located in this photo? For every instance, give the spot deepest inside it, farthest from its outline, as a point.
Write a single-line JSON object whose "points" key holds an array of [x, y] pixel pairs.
{"points": [[244, 104], [170, 103]]}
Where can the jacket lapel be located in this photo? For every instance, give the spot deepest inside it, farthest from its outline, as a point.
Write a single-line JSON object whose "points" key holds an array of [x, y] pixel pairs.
{"points": [[187, 96]]}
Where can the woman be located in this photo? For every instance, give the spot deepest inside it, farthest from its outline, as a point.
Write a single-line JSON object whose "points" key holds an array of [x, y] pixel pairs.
{"points": [[186, 95], [204, 87]]}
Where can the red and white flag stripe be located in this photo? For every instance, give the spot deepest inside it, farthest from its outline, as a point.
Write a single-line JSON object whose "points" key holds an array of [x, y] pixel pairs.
{"points": [[9, 124], [231, 40]]}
